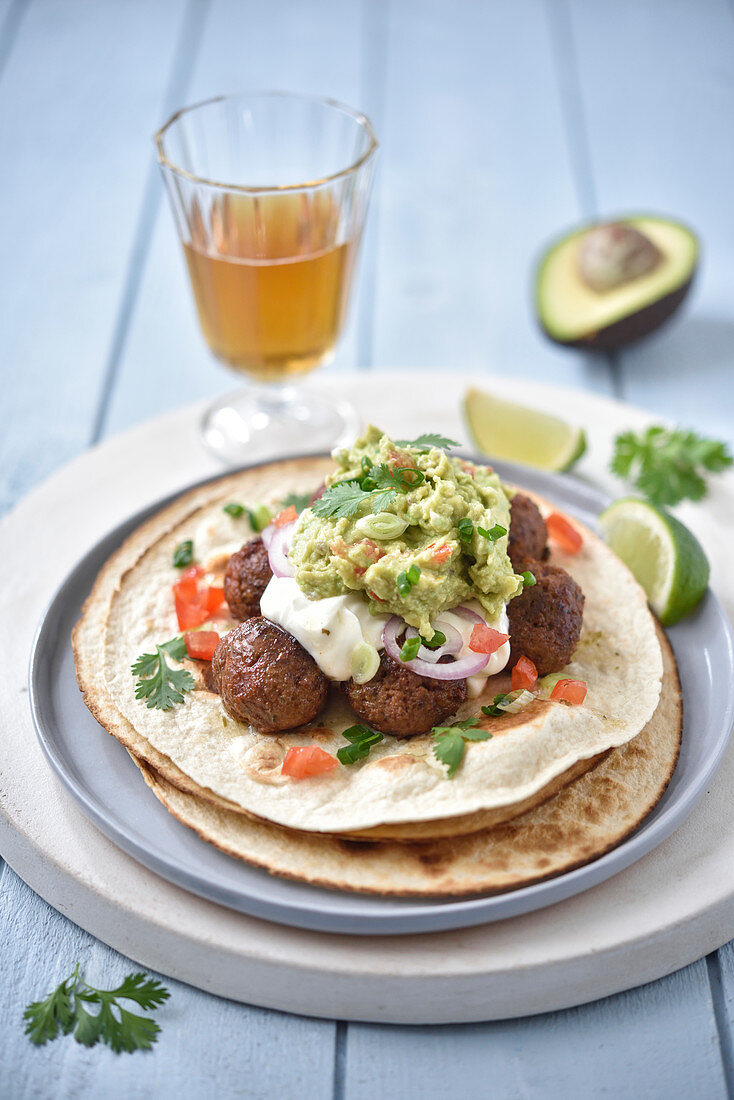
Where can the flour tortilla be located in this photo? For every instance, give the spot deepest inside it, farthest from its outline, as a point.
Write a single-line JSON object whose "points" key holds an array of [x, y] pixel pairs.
{"points": [[402, 787], [580, 823]]}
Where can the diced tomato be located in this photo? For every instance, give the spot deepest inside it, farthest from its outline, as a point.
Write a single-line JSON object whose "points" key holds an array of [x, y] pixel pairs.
{"points": [[485, 639], [399, 460], [214, 599], [564, 533], [359, 570], [187, 586], [524, 674], [286, 516], [371, 550], [307, 760], [468, 466], [440, 551], [190, 613], [374, 596], [200, 644], [569, 691]]}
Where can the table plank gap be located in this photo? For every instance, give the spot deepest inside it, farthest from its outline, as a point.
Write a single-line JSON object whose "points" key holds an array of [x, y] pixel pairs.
{"points": [[341, 1039], [203, 1039], [374, 100], [719, 970], [183, 60], [11, 21], [656, 1041], [656, 145]]}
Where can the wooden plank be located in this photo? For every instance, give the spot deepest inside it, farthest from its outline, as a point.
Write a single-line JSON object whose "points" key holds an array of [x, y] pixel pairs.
{"points": [[68, 86], [313, 48], [657, 1041], [475, 178], [204, 1040], [658, 96]]}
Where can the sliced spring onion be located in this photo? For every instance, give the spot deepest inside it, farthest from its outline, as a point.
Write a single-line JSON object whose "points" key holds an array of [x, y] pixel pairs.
{"points": [[382, 526], [465, 527], [414, 574], [410, 649], [528, 579], [365, 663]]}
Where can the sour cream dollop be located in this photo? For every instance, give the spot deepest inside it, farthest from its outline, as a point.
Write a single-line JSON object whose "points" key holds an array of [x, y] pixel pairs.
{"points": [[330, 629], [334, 628]]}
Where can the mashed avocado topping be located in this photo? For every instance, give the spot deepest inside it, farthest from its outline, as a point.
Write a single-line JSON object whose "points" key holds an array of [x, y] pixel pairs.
{"points": [[374, 548]]}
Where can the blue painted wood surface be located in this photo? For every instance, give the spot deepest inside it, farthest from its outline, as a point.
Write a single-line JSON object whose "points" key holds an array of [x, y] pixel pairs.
{"points": [[500, 124]]}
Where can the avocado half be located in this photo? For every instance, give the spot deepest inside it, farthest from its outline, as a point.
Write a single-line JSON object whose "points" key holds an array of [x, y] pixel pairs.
{"points": [[573, 313]]}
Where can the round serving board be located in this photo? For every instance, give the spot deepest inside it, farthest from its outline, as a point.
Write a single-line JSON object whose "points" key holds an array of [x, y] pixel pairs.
{"points": [[670, 908]]}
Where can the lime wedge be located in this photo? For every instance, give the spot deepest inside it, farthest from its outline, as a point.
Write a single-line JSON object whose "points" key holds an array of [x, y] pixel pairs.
{"points": [[503, 429], [663, 555]]}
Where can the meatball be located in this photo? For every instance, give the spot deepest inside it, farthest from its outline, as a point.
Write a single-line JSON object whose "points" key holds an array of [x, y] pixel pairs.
{"points": [[266, 678], [400, 702], [246, 578], [545, 620], [528, 533]]}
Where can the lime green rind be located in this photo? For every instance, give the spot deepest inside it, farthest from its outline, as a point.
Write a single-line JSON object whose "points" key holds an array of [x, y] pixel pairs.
{"points": [[688, 579]]}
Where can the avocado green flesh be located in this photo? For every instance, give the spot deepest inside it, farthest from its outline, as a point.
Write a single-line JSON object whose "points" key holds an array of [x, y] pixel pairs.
{"points": [[570, 311]]}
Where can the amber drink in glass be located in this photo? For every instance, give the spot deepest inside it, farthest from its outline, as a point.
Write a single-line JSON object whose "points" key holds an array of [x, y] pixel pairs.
{"points": [[270, 192]]}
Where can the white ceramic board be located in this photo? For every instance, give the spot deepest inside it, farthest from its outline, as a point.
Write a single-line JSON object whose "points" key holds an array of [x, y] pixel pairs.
{"points": [[670, 908]]}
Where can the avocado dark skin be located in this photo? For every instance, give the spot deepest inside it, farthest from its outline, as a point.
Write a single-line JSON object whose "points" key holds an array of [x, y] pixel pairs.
{"points": [[632, 328]]}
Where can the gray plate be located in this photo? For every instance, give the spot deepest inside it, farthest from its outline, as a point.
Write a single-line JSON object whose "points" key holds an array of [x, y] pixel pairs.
{"points": [[97, 771]]}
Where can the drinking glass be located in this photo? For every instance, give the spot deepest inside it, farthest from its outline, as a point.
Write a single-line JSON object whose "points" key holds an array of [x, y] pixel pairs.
{"points": [[269, 193]]}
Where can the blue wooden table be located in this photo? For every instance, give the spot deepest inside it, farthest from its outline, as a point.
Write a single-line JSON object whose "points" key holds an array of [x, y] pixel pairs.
{"points": [[501, 123]]}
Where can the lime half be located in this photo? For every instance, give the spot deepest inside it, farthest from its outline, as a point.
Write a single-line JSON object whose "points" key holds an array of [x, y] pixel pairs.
{"points": [[503, 429], [663, 555]]}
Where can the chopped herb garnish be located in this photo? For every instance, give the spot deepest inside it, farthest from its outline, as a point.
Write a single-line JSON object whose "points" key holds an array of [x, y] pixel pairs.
{"points": [[160, 684], [183, 555], [234, 510], [362, 739], [494, 533], [403, 584], [668, 464], [259, 515], [410, 648], [438, 639], [449, 741], [299, 501], [65, 1011], [528, 579], [414, 574], [465, 528], [426, 441]]}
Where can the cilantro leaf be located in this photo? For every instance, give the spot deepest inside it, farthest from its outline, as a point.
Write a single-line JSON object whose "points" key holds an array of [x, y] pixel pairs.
{"points": [[667, 465], [66, 1010], [449, 741], [426, 441], [299, 501], [160, 684], [44, 1019], [345, 498]]}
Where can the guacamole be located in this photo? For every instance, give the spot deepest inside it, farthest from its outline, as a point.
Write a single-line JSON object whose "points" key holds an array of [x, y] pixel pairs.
{"points": [[408, 550]]}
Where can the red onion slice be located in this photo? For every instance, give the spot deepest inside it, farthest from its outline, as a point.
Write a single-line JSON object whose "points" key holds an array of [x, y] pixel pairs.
{"points": [[457, 670], [277, 548], [452, 645], [467, 613]]}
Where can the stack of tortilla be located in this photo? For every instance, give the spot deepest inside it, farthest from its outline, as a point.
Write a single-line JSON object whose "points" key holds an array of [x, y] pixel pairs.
{"points": [[555, 786]]}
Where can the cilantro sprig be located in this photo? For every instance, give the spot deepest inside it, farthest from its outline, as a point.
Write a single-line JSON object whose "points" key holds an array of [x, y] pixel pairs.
{"points": [[183, 555], [160, 684], [65, 1010], [449, 742], [426, 441], [377, 485], [299, 501], [361, 739], [667, 465]]}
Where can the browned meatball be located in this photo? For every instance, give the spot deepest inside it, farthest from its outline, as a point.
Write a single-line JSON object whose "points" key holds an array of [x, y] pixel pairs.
{"points": [[528, 533], [400, 702], [266, 678], [545, 620], [246, 578]]}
